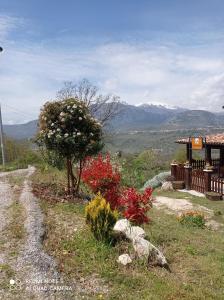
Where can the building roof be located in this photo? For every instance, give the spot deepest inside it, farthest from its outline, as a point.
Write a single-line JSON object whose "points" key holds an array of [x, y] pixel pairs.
{"points": [[214, 139]]}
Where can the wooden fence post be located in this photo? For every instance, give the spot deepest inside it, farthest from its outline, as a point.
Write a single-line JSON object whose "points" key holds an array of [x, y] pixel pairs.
{"points": [[174, 170], [208, 177], [187, 176]]}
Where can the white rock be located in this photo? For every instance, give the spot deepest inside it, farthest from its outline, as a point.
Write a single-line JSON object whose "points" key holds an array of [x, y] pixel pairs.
{"points": [[144, 248], [133, 232], [124, 259], [167, 186], [122, 225], [141, 247]]}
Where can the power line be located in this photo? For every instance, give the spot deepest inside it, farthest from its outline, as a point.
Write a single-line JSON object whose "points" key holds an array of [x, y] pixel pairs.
{"points": [[17, 110]]}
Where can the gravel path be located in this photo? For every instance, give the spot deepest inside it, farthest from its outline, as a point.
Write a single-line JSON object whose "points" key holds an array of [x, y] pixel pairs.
{"points": [[6, 199], [38, 268], [35, 271]]}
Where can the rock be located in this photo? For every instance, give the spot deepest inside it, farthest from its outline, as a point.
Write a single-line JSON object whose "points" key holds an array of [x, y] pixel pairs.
{"points": [[122, 225], [124, 259], [141, 247], [133, 232], [145, 249], [167, 186], [16, 187]]}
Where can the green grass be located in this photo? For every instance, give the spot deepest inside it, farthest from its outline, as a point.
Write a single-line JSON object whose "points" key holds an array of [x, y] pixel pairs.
{"points": [[195, 256]]}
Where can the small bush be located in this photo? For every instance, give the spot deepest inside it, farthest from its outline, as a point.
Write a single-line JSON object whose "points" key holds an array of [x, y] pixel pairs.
{"points": [[192, 218], [102, 176], [136, 205], [101, 218]]}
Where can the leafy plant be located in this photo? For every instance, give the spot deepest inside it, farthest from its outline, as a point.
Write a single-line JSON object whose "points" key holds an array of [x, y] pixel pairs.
{"points": [[102, 176], [67, 128], [138, 169], [101, 218], [192, 218], [136, 205]]}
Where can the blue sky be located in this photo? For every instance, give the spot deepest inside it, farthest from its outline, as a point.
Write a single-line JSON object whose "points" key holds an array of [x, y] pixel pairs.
{"points": [[160, 51]]}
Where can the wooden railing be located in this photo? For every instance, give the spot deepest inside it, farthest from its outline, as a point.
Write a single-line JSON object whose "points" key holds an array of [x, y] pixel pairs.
{"points": [[217, 184], [180, 173], [200, 163], [198, 180]]}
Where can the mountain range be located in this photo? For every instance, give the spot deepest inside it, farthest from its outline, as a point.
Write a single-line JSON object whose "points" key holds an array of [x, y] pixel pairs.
{"points": [[138, 118]]}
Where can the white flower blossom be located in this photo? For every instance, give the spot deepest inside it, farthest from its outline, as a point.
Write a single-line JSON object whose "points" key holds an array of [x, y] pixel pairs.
{"points": [[74, 106], [78, 133], [63, 119], [91, 133], [80, 118], [52, 124], [66, 135]]}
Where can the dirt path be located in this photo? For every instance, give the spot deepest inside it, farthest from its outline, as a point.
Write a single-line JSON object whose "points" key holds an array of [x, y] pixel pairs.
{"points": [[29, 273], [178, 206], [5, 202]]}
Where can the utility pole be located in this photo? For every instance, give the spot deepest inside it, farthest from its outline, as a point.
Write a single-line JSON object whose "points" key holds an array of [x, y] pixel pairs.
{"points": [[2, 138], [1, 131]]}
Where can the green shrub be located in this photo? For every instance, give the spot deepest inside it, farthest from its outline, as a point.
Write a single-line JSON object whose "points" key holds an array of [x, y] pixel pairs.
{"points": [[192, 218], [101, 218], [137, 169]]}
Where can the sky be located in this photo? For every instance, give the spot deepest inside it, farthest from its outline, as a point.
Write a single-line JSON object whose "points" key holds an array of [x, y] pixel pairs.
{"points": [[145, 51]]}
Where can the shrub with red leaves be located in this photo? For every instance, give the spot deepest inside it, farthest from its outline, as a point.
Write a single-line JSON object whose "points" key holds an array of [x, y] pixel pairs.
{"points": [[136, 205], [101, 176]]}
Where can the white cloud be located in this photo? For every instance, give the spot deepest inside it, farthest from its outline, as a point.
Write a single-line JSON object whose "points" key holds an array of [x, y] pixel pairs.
{"points": [[31, 73], [7, 24], [210, 94]]}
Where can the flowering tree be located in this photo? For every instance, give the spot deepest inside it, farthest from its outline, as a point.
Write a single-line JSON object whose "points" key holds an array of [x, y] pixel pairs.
{"points": [[67, 128]]}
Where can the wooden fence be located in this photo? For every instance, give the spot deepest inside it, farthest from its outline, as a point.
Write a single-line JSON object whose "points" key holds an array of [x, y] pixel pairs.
{"points": [[180, 173], [198, 180], [200, 163], [217, 184]]}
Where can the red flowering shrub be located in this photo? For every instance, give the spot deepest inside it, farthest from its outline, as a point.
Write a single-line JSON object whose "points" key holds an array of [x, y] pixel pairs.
{"points": [[101, 176], [136, 205]]}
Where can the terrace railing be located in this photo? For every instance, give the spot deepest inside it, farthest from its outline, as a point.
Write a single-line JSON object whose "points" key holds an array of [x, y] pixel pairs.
{"points": [[200, 163], [217, 184]]}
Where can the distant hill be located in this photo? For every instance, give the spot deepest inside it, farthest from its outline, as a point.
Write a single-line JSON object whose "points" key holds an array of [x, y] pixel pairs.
{"points": [[21, 131], [194, 119], [140, 118]]}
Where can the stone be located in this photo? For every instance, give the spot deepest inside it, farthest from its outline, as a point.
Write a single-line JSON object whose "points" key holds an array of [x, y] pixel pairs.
{"points": [[124, 259], [122, 225], [144, 249], [141, 247], [167, 186], [133, 232]]}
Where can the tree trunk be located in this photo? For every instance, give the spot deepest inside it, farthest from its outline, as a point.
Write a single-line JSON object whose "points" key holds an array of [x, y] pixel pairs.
{"points": [[79, 175], [68, 177]]}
